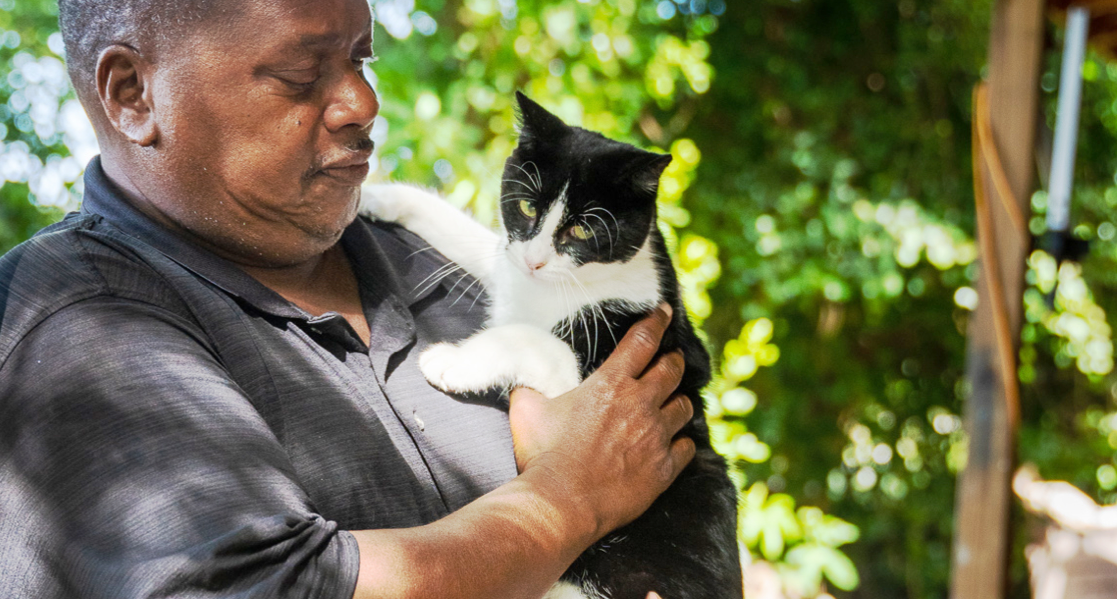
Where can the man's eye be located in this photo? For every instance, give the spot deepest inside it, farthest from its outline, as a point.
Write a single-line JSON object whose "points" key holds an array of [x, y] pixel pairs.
{"points": [[301, 85], [298, 81], [527, 208]]}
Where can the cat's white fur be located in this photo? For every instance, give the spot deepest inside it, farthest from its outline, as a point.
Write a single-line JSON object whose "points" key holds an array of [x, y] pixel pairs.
{"points": [[565, 590], [531, 288]]}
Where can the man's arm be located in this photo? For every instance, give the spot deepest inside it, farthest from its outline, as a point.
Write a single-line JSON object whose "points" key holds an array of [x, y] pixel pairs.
{"points": [[132, 465], [591, 460]]}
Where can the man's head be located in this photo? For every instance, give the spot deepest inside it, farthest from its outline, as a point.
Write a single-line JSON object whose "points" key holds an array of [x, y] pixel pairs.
{"points": [[241, 123], [90, 26]]}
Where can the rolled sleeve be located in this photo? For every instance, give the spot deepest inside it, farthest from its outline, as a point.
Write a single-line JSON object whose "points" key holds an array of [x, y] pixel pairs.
{"points": [[132, 465]]}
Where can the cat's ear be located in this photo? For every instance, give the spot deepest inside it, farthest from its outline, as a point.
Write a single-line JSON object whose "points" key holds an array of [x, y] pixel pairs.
{"points": [[647, 169], [536, 122]]}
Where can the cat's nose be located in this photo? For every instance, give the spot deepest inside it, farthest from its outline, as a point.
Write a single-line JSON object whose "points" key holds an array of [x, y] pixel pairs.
{"points": [[533, 265]]}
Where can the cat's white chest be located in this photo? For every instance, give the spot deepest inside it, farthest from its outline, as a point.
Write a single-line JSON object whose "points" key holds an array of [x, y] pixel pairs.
{"points": [[519, 298]]}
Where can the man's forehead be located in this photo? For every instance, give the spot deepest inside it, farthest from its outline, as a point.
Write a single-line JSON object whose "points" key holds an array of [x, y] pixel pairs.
{"points": [[309, 24]]}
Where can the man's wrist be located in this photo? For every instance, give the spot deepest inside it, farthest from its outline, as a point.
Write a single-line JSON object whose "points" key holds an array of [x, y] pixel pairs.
{"points": [[572, 511]]}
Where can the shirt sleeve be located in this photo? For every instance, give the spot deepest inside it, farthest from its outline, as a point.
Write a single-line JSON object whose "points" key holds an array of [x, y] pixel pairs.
{"points": [[131, 465]]}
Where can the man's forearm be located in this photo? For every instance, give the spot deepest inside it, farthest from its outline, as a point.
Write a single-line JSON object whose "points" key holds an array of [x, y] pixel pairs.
{"points": [[591, 460], [513, 542]]}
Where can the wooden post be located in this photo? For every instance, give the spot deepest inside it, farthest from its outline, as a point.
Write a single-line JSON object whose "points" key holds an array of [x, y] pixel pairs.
{"points": [[982, 534]]}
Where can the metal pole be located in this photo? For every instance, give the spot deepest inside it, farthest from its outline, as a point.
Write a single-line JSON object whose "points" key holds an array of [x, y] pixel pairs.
{"points": [[1066, 122]]}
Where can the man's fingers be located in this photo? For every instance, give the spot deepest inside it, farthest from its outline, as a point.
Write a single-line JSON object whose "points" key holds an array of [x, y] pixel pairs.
{"points": [[640, 344], [523, 399], [678, 410], [664, 375], [682, 452], [525, 409]]}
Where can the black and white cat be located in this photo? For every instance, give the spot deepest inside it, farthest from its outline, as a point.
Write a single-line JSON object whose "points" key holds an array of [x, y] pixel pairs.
{"points": [[581, 259]]}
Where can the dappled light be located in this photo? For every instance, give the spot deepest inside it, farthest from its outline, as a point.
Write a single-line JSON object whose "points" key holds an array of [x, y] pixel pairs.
{"points": [[819, 210]]}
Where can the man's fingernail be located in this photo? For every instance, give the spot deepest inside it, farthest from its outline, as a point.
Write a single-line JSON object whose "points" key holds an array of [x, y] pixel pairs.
{"points": [[666, 307]]}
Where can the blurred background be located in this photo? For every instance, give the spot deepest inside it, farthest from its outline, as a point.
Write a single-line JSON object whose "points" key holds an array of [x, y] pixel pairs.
{"points": [[821, 208]]}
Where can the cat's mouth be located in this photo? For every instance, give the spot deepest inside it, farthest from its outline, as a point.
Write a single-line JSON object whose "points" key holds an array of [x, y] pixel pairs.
{"points": [[544, 272]]}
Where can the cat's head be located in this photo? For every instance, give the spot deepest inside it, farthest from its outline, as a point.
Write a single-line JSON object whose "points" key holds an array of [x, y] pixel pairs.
{"points": [[571, 197]]}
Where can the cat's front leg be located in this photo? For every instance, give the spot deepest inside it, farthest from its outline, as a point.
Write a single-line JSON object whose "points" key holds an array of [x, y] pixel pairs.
{"points": [[450, 231], [508, 356]]}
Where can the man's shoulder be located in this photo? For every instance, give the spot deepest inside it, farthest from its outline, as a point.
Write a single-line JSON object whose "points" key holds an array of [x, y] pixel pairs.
{"points": [[77, 259]]}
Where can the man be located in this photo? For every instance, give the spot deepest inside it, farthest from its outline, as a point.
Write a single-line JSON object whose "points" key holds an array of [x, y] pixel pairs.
{"points": [[207, 377]]}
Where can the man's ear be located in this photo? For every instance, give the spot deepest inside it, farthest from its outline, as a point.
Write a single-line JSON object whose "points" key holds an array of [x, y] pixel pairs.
{"points": [[124, 86]]}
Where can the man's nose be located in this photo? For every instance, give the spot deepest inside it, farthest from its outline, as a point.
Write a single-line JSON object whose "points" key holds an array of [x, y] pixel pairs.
{"points": [[354, 103]]}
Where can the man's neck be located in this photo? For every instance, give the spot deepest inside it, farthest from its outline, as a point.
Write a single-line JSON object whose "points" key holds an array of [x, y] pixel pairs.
{"points": [[323, 282], [326, 284]]}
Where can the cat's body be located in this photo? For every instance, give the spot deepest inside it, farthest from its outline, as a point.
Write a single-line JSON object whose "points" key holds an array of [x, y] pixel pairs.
{"points": [[581, 260]]}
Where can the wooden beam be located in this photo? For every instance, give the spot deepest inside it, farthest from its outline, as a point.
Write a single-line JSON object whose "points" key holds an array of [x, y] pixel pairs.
{"points": [[982, 534]]}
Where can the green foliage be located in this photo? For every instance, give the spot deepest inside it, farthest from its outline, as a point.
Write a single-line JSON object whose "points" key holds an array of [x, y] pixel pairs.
{"points": [[820, 208], [25, 102]]}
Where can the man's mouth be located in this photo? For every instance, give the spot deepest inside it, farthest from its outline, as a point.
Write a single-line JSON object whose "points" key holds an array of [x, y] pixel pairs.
{"points": [[353, 174], [351, 169]]}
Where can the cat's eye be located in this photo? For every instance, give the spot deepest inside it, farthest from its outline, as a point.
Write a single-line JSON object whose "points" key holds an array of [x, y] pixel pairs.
{"points": [[527, 208], [581, 232]]}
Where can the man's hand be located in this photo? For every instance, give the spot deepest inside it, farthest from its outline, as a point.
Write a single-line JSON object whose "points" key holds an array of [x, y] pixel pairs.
{"points": [[609, 445], [590, 460]]}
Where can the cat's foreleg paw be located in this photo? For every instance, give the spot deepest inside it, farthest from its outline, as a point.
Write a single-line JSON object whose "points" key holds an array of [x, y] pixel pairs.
{"points": [[388, 202], [454, 370], [550, 368]]}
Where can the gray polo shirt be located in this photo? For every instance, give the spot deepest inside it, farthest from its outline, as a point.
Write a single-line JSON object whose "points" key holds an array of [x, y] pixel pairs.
{"points": [[171, 427]]}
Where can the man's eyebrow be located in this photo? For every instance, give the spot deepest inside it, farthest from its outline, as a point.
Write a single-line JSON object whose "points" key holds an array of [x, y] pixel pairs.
{"points": [[313, 40]]}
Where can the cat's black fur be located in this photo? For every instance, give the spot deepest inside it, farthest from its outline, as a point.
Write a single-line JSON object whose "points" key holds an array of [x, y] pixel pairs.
{"points": [[685, 545]]}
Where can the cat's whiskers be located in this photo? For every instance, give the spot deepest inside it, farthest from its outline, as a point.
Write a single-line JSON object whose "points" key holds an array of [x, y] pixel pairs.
{"points": [[597, 311], [420, 251], [607, 212], [538, 183], [591, 342], [529, 187], [439, 273], [585, 221], [465, 291], [607, 230], [538, 176], [450, 268], [569, 304], [479, 296], [434, 283], [571, 321], [565, 330]]}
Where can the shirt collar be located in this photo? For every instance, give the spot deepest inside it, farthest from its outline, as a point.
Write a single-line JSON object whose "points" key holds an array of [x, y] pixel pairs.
{"points": [[384, 258]]}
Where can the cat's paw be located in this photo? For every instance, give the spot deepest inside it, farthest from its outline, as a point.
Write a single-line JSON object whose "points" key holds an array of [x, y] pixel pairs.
{"points": [[386, 203], [455, 370], [565, 590], [551, 380]]}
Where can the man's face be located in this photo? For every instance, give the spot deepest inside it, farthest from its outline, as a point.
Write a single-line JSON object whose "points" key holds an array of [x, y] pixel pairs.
{"points": [[264, 129]]}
